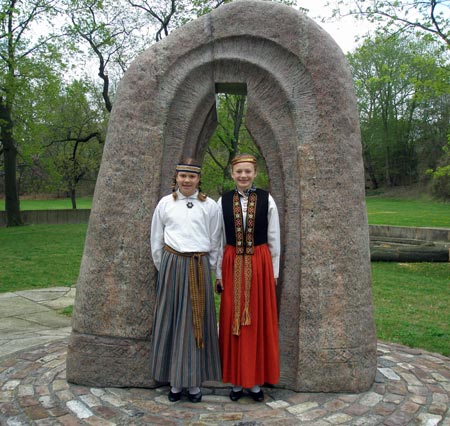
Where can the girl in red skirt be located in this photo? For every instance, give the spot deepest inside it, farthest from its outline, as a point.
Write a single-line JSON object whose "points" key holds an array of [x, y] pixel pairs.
{"points": [[246, 279]]}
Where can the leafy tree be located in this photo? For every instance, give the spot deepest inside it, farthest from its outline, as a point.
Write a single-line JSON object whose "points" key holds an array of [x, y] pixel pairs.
{"points": [[109, 31], [400, 83], [428, 17], [20, 57], [117, 30], [114, 31], [74, 139], [33, 114], [441, 176], [161, 13], [230, 138]]}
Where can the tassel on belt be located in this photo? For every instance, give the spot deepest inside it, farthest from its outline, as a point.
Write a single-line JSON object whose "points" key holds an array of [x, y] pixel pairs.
{"points": [[196, 290], [242, 278]]}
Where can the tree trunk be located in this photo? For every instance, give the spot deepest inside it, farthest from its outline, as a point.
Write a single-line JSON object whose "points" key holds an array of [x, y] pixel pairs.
{"points": [[370, 169], [409, 253], [12, 206], [73, 198]]}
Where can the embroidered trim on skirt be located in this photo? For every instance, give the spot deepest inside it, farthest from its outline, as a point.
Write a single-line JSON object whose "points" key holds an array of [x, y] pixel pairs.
{"points": [[175, 357]]}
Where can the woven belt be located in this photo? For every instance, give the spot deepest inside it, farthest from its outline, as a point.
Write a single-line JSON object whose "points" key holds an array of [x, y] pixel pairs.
{"points": [[245, 247], [196, 290]]}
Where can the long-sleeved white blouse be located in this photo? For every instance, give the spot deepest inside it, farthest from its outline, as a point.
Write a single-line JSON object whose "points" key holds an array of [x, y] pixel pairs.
{"points": [[196, 229]]}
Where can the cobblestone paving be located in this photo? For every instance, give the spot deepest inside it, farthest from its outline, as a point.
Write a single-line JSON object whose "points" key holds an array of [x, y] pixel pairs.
{"points": [[412, 387]]}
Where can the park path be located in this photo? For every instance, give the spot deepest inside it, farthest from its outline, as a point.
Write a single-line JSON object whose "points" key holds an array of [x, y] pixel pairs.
{"points": [[31, 317]]}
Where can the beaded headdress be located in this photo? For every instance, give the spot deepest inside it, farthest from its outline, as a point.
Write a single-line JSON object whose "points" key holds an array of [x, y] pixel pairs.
{"points": [[188, 168]]}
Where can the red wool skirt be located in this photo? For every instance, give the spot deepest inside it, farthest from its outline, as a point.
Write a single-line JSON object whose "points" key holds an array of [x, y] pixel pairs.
{"points": [[252, 358]]}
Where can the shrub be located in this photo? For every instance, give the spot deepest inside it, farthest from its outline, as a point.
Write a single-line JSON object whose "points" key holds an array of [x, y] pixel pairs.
{"points": [[441, 182]]}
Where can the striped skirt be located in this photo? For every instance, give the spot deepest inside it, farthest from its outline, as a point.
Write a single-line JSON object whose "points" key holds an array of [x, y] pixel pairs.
{"points": [[175, 357]]}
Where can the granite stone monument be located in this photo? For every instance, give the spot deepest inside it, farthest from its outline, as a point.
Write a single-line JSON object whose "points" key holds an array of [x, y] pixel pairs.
{"points": [[303, 117]]}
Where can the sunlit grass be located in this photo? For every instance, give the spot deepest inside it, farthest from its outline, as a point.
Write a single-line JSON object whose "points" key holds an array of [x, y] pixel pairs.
{"points": [[408, 212]]}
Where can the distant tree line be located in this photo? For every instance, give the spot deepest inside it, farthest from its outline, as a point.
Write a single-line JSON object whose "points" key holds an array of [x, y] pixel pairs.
{"points": [[54, 114], [403, 90], [402, 81]]}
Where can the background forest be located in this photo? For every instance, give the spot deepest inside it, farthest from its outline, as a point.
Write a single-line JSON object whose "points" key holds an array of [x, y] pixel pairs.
{"points": [[61, 61]]}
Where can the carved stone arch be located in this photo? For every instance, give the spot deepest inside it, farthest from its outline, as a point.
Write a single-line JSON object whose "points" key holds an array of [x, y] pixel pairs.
{"points": [[302, 115]]}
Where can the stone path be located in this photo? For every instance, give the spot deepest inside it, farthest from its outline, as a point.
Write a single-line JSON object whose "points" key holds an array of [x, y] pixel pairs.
{"points": [[412, 387], [29, 318]]}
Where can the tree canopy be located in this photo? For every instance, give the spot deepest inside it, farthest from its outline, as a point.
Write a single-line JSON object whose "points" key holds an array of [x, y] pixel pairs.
{"points": [[403, 89], [24, 60]]}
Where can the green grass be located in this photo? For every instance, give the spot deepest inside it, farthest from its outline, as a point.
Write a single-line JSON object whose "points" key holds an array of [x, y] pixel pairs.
{"points": [[53, 204], [408, 212], [412, 304], [39, 256], [68, 310]]}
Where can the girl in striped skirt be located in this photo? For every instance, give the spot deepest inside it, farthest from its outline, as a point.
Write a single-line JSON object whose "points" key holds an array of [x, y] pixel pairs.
{"points": [[185, 233]]}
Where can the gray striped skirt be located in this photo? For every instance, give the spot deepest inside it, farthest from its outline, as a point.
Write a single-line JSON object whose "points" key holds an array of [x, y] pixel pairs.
{"points": [[175, 357]]}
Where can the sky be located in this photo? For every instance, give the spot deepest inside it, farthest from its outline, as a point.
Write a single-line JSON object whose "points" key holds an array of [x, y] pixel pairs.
{"points": [[342, 31]]}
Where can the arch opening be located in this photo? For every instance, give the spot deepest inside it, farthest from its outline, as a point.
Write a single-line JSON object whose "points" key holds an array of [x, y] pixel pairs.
{"points": [[230, 138]]}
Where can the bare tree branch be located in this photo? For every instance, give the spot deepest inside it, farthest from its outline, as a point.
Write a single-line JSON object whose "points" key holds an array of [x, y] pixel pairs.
{"points": [[77, 139], [424, 15], [213, 157]]}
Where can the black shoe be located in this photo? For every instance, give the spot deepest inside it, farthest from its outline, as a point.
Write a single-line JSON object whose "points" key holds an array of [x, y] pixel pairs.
{"points": [[174, 397], [236, 396], [197, 397], [257, 396]]}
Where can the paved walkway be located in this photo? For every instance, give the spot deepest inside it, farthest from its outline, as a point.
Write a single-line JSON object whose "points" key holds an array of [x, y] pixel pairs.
{"points": [[29, 318], [412, 387]]}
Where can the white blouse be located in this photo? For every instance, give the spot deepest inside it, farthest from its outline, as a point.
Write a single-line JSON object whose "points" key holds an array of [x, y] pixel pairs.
{"points": [[273, 234], [196, 229]]}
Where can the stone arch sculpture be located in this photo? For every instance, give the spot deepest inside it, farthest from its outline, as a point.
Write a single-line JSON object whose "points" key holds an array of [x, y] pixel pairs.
{"points": [[302, 115]]}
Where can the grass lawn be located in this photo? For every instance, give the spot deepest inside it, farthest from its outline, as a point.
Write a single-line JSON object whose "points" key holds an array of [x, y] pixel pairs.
{"points": [[53, 204], [412, 304], [408, 212], [39, 256]]}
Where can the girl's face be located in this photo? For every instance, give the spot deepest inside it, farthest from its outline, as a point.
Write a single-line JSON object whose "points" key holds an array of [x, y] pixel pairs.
{"points": [[243, 175], [187, 183]]}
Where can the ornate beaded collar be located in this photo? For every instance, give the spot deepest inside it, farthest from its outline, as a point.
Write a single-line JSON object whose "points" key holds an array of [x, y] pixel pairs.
{"points": [[244, 241]]}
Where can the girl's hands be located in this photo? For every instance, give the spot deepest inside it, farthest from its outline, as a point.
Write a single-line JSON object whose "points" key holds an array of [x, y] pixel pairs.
{"points": [[219, 286]]}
